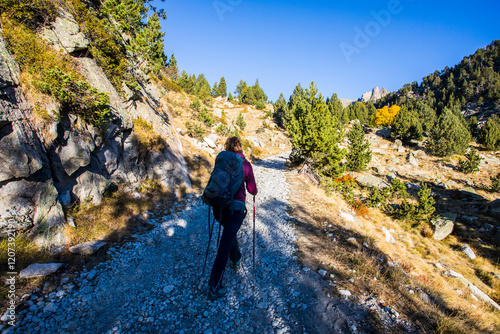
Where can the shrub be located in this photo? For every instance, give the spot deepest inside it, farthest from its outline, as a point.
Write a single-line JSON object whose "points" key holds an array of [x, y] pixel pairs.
{"points": [[377, 198], [495, 183], [471, 163], [240, 122], [195, 130], [32, 13], [260, 105], [404, 211], [222, 130], [397, 189], [426, 203], [170, 85], [204, 116], [196, 104]]}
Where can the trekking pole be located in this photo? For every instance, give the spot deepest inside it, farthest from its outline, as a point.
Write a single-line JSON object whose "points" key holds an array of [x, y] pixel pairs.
{"points": [[253, 252]]}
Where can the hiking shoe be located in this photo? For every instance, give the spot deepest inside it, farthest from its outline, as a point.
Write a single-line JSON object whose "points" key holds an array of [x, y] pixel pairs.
{"points": [[237, 265], [215, 294]]}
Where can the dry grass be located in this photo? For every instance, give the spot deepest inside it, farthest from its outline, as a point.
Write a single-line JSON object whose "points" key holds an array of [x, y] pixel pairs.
{"points": [[347, 258]]}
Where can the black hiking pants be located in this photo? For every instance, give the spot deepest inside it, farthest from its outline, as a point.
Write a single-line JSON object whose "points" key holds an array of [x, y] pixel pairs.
{"points": [[228, 247]]}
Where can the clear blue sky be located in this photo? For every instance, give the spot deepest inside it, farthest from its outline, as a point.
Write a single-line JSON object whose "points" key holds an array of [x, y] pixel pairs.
{"points": [[345, 47]]}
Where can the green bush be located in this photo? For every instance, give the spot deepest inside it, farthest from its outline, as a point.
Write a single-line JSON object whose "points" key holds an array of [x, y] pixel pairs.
{"points": [[195, 130], [377, 198], [222, 130], [196, 104], [260, 105], [240, 122], [32, 13], [495, 183], [471, 163], [204, 116], [397, 189], [425, 207]]}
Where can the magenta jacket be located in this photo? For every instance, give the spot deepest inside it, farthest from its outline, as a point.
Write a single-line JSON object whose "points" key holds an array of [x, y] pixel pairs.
{"points": [[249, 181]]}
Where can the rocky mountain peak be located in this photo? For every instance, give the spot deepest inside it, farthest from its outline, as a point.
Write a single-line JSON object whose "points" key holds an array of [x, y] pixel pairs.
{"points": [[374, 95]]}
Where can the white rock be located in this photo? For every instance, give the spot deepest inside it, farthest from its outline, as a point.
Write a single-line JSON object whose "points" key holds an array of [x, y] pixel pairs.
{"points": [[322, 272], [39, 269], [345, 293], [210, 142], [388, 236], [469, 252], [87, 248], [71, 222]]}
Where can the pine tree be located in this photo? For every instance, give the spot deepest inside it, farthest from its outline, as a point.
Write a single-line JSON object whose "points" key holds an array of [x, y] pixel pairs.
{"points": [[357, 111], [489, 135], [230, 97], [222, 89], [215, 90], [426, 203], [449, 136], [280, 111], [360, 154], [406, 126], [202, 88], [148, 44], [315, 132], [240, 122], [172, 69], [241, 88], [471, 164], [127, 13], [473, 126], [335, 106]]}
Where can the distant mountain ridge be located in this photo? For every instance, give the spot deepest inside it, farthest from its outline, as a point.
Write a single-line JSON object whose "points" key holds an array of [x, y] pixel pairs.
{"points": [[373, 95]]}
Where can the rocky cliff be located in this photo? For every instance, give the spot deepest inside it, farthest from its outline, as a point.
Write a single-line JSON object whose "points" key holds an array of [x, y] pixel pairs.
{"points": [[374, 95], [47, 166]]}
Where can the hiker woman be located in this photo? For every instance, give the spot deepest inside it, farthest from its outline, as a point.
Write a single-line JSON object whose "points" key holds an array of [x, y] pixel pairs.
{"points": [[231, 220]]}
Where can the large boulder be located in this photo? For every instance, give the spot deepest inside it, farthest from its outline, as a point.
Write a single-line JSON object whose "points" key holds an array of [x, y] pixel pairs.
{"points": [[371, 181], [64, 34], [110, 155], [19, 159], [96, 77], [26, 204], [443, 225], [76, 152], [39, 269], [90, 187], [9, 69]]}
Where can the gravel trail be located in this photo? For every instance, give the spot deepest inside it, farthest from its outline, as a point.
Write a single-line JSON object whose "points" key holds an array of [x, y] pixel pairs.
{"points": [[155, 285]]}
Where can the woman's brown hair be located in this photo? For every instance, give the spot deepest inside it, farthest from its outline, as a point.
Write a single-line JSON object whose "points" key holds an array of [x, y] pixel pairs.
{"points": [[233, 144]]}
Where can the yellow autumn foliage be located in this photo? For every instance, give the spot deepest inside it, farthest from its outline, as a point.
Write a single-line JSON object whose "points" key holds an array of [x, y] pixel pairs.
{"points": [[386, 116]]}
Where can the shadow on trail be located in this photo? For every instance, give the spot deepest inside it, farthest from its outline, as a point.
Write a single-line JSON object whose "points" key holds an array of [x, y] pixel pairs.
{"points": [[276, 163]]}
